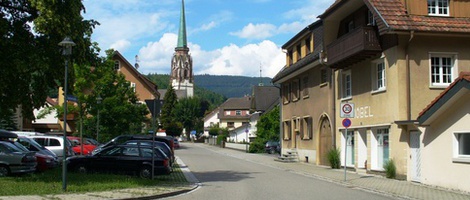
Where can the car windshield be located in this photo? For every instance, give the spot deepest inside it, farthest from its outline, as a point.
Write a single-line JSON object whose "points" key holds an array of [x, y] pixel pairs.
{"points": [[9, 147], [25, 141]]}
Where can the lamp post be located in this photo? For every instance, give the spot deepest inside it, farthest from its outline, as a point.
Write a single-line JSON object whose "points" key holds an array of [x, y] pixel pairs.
{"points": [[66, 45], [248, 127], [98, 101]]}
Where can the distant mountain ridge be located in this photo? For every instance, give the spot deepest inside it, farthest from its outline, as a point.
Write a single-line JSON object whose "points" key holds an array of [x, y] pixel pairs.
{"points": [[230, 86]]}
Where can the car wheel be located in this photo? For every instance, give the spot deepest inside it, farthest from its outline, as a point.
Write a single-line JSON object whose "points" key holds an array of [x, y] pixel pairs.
{"points": [[82, 169], [146, 172], [4, 171], [272, 151]]}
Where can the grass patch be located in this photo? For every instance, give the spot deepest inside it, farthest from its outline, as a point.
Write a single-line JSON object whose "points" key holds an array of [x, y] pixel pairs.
{"points": [[50, 182]]}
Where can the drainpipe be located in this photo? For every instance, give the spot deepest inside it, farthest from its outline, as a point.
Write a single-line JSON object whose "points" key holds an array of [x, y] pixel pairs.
{"points": [[408, 77]]}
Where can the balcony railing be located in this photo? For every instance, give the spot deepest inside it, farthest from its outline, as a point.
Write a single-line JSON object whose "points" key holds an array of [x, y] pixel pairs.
{"points": [[358, 45]]}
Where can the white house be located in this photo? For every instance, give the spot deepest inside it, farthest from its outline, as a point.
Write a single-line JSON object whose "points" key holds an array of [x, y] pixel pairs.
{"points": [[210, 120], [442, 147]]}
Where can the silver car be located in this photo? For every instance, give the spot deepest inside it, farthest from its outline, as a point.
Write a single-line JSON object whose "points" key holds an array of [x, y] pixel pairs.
{"points": [[14, 160]]}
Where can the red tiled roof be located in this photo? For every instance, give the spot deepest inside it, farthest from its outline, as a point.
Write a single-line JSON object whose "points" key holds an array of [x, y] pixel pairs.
{"points": [[462, 76], [395, 18]]}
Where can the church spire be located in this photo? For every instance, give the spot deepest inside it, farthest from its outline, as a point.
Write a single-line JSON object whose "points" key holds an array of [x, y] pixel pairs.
{"points": [[182, 42]]}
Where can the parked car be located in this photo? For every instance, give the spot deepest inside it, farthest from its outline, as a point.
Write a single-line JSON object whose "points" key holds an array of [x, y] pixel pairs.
{"points": [[123, 138], [32, 145], [77, 145], [128, 159], [272, 147], [56, 144], [163, 146], [14, 160], [46, 159], [176, 143]]}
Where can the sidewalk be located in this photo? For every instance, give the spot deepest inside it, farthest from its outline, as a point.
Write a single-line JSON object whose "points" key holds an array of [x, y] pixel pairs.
{"points": [[367, 182]]}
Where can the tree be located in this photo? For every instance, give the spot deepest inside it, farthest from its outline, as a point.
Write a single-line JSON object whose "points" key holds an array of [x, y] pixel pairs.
{"points": [[268, 129], [32, 64], [174, 129], [190, 112], [119, 112], [169, 103]]}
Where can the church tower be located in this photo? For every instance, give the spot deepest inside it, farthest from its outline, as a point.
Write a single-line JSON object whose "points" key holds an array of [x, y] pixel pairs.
{"points": [[181, 77]]}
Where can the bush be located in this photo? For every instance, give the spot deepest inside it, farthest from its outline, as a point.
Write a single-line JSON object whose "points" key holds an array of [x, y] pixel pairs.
{"points": [[390, 169], [334, 158], [257, 147]]}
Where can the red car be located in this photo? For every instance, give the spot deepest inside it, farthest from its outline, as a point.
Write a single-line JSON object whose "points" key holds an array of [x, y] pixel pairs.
{"points": [[87, 146]]}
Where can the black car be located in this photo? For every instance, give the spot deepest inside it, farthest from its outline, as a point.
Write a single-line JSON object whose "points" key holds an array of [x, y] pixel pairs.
{"points": [[128, 159], [272, 147], [123, 138], [163, 146]]}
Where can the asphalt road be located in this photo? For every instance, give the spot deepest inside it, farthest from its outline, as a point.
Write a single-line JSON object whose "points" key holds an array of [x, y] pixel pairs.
{"points": [[226, 176]]}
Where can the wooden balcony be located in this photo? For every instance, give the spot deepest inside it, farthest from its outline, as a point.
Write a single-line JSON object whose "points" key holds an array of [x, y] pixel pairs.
{"points": [[358, 45]]}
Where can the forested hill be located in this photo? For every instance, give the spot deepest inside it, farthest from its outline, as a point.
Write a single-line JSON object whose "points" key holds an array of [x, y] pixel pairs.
{"points": [[228, 86]]}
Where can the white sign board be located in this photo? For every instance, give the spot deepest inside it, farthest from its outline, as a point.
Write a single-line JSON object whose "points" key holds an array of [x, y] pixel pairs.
{"points": [[347, 110]]}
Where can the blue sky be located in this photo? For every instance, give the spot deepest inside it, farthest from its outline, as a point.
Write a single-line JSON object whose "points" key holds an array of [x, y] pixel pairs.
{"points": [[225, 37]]}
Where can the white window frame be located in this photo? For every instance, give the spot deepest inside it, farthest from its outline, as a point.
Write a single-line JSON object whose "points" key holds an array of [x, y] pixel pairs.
{"points": [[440, 75], [238, 112], [295, 90], [436, 9], [379, 69], [287, 130], [370, 19], [346, 85], [133, 86], [457, 156], [307, 128]]}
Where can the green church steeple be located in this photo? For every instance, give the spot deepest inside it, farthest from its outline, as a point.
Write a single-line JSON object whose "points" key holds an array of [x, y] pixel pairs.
{"points": [[182, 42]]}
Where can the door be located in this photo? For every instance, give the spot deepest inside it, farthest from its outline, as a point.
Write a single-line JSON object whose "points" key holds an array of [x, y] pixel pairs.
{"points": [[415, 156], [326, 141], [382, 147], [350, 148]]}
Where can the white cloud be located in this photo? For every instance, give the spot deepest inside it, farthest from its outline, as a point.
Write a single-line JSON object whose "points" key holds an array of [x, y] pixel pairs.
{"points": [[121, 45], [156, 56], [245, 60], [228, 60], [256, 31]]}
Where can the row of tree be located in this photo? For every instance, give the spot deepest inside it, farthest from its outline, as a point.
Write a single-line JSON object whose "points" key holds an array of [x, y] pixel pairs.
{"points": [[32, 67]]}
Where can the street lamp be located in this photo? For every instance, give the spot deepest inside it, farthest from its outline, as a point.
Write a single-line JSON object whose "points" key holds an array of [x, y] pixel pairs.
{"points": [[248, 127], [66, 45], [98, 101]]}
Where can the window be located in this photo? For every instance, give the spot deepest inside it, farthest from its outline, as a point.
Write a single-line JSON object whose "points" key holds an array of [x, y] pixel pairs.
{"points": [[295, 90], [133, 86], [299, 52], [370, 18], [307, 129], [227, 113], [324, 75], [305, 87], [346, 84], [441, 69], [230, 124], [438, 7], [291, 57], [54, 142], [285, 93], [287, 130], [117, 65], [308, 45], [462, 145], [350, 26], [378, 76], [238, 112], [130, 151]]}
